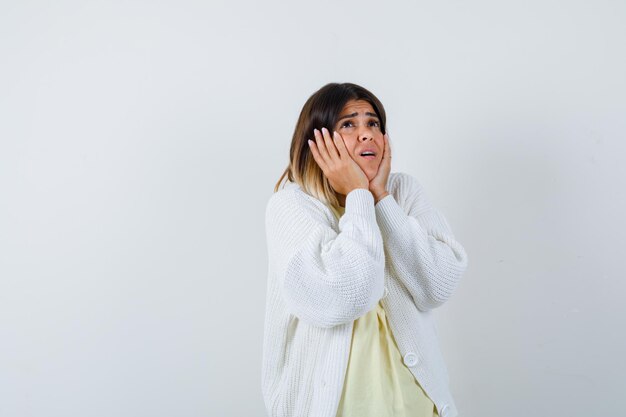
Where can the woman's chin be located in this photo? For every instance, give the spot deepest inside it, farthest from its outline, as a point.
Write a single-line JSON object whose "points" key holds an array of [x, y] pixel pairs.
{"points": [[370, 171]]}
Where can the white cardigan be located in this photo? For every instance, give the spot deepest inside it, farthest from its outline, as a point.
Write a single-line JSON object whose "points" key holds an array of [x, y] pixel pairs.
{"points": [[324, 274]]}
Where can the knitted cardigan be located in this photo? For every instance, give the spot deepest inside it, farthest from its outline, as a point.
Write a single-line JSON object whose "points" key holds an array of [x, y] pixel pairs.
{"points": [[323, 274]]}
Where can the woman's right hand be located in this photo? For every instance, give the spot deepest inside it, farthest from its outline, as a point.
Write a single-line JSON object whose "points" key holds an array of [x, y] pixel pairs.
{"points": [[343, 173]]}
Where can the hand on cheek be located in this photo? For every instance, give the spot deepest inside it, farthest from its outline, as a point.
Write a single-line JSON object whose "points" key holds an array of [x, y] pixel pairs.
{"points": [[378, 184]]}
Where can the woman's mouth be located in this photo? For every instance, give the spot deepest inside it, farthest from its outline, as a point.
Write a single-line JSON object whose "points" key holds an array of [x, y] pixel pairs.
{"points": [[368, 154]]}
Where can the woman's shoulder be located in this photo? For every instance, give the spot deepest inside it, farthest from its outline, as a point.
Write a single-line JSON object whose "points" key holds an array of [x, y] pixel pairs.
{"points": [[402, 179], [292, 199], [292, 193], [408, 192], [403, 185]]}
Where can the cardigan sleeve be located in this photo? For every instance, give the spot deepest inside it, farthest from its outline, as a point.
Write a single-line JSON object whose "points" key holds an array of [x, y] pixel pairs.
{"points": [[327, 278], [420, 245]]}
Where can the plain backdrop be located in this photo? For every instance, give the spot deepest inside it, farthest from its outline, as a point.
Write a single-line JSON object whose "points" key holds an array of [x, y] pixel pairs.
{"points": [[140, 142]]}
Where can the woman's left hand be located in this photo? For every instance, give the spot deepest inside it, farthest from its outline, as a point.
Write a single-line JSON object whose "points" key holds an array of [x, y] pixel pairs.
{"points": [[378, 184]]}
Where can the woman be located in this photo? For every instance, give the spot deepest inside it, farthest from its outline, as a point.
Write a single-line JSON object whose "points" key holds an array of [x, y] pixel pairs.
{"points": [[358, 260]]}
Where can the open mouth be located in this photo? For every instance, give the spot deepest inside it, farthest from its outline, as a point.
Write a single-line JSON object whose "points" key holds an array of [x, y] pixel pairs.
{"points": [[368, 155]]}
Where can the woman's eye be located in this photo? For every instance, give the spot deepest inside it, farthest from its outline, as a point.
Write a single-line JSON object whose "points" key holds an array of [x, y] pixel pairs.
{"points": [[371, 123]]}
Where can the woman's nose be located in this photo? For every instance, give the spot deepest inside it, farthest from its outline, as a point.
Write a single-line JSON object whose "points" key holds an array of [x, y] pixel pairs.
{"points": [[365, 134]]}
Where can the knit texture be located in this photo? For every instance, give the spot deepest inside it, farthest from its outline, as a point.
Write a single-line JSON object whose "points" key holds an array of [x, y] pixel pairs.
{"points": [[324, 273]]}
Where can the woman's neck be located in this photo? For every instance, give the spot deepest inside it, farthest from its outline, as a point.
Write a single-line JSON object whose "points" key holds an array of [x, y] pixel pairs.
{"points": [[342, 200]]}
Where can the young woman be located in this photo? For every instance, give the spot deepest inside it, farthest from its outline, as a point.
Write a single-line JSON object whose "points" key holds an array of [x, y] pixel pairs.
{"points": [[358, 260]]}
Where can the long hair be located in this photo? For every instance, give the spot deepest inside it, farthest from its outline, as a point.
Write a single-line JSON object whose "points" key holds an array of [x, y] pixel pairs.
{"points": [[322, 109]]}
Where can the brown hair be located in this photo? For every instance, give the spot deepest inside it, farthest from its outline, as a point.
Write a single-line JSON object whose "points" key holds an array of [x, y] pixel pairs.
{"points": [[322, 109]]}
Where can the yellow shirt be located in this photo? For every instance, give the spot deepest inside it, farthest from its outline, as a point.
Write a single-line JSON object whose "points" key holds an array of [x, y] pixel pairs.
{"points": [[377, 382]]}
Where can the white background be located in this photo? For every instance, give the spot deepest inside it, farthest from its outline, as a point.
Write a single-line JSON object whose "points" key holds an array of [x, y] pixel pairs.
{"points": [[140, 141]]}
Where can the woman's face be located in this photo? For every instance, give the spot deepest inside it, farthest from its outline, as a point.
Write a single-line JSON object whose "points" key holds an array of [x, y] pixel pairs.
{"points": [[359, 126]]}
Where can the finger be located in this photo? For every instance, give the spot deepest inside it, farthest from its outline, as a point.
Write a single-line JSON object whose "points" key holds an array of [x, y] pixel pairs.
{"points": [[387, 147], [340, 144], [385, 163], [316, 155], [321, 146], [330, 145]]}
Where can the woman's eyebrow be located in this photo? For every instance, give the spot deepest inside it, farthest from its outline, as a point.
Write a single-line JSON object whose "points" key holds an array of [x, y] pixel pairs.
{"points": [[355, 114]]}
